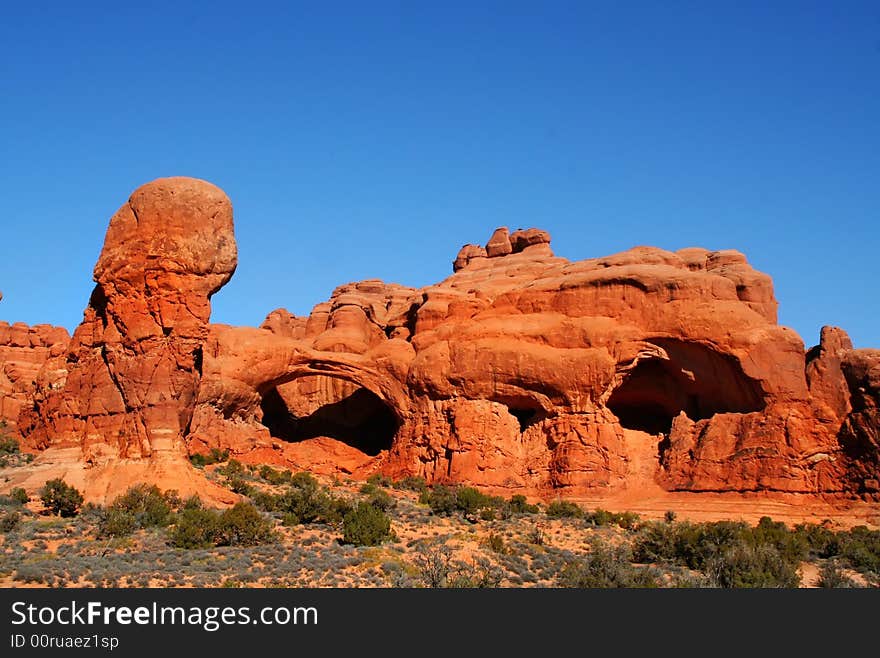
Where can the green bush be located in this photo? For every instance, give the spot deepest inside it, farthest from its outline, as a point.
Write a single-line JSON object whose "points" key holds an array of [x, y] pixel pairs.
{"points": [[412, 483], [61, 498], [264, 500], [495, 543], [194, 527], [791, 545], [193, 502], [368, 489], [214, 456], [116, 523], [306, 501], [687, 544], [147, 503], [274, 477], [9, 521], [366, 525], [19, 495], [8, 445], [441, 499], [469, 501], [382, 500], [237, 484], [141, 506], [379, 480], [861, 548], [564, 509], [832, 576], [601, 517], [752, 565], [607, 567], [519, 505], [821, 541], [243, 525], [233, 469]]}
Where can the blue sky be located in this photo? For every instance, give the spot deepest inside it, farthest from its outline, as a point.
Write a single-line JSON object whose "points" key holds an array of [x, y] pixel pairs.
{"points": [[372, 139]]}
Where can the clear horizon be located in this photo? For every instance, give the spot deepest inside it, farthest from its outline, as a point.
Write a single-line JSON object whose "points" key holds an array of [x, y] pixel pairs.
{"points": [[374, 141]]}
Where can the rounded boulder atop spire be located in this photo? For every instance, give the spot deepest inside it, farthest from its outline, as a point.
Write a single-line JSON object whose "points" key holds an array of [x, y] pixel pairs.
{"points": [[173, 234]]}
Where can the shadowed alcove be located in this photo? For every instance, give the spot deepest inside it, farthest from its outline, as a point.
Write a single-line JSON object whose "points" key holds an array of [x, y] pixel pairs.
{"points": [[695, 379], [321, 406]]}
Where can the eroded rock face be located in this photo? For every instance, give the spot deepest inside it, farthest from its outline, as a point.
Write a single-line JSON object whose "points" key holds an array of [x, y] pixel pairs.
{"points": [[860, 433], [24, 353], [642, 372], [528, 372], [134, 364]]}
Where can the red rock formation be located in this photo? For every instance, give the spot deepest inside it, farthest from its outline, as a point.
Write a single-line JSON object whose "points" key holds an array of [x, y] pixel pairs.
{"points": [[642, 373], [528, 372], [860, 433], [24, 351], [134, 364]]}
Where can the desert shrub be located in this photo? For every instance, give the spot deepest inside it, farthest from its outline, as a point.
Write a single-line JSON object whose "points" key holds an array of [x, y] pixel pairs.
{"points": [[601, 517], [478, 574], [243, 525], [274, 477], [379, 480], [469, 501], [9, 521], [194, 527], [752, 565], [495, 543], [563, 509], [821, 541], [791, 545], [193, 502], [382, 500], [368, 489], [831, 575], [141, 506], [233, 469], [214, 456], [61, 498], [519, 505], [237, 484], [441, 499], [305, 501], [366, 525], [860, 547], [264, 500], [690, 544], [433, 564], [30, 573], [412, 483], [117, 523], [606, 567], [8, 445], [19, 495], [147, 504], [535, 536], [670, 516]]}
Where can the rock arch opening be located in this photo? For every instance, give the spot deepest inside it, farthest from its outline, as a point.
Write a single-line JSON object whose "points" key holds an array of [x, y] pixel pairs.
{"points": [[525, 409], [320, 406], [695, 379]]}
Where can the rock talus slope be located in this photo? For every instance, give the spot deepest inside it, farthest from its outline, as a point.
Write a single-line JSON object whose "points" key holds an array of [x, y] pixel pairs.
{"points": [[647, 372]]}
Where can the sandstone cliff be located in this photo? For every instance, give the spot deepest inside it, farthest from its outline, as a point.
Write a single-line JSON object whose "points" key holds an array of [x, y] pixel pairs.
{"points": [[645, 370]]}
